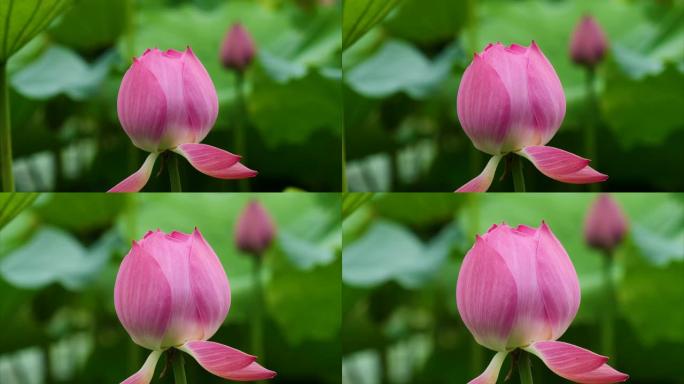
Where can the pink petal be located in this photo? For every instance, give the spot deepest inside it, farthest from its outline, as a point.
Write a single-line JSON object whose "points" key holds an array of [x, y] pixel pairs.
{"points": [[209, 285], [517, 247], [145, 374], [142, 298], [605, 224], [137, 180], [199, 96], [199, 287], [142, 107], [486, 296], [484, 106], [483, 181], [576, 364], [557, 282], [561, 165], [226, 362], [214, 162], [491, 374], [546, 96], [254, 230]]}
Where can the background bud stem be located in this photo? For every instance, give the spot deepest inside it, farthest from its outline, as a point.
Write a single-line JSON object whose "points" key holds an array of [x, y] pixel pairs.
{"points": [[178, 367], [240, 122], [590, 122], [525, 368], [609, 308], [174, 174], [517, 171], [7, 182], [257, 328]]}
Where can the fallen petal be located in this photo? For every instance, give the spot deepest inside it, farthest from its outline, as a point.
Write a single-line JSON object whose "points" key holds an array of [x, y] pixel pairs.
{"points": [[561, 165], [491, 374], [575, 363], [214, 162], [137, 181], [482, 182], [144, 375]]}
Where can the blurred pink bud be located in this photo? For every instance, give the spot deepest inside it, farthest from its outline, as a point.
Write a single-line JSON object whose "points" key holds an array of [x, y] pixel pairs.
{"points": [[167, 101], [588, 44], [255, 231], [172, 291], [517, 288], [237, 49], [509, 100], [605, 224]]}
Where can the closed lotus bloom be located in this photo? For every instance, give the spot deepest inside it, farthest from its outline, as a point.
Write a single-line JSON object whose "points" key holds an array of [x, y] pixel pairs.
{"points": [[255, 230], [167, 101], [237, 49], [510, 100], [605, 225], [588, 44], [517, 288], [172, 292]]}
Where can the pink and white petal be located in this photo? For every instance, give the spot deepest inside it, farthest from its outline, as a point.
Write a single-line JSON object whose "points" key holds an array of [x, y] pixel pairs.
{"points": [[145, 374], [199, 97], [252, 372], [484, 106], [214, 162], [484, 180], [561, 165], [575, 363], [219, 359], [557, 281], [209, 286], [604, 374], [142, 298], [491, 374], [137, 181], [486, 296], [553, 161], [586, 175]]}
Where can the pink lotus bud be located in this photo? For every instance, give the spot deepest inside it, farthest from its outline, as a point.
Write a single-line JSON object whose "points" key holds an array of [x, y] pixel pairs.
{"points": [[588, 44], [237, 49], [605, 225], [172, 291], [517, 288], [167, 99], [255, 230], [510, 98]]}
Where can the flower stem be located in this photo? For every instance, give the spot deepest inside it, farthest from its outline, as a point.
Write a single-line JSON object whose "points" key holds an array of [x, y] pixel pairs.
{"points": [[178, 368], [590, 123], [240, 122], [174, 174], [7, 182], [525, 368], [608, 320], [257, 326], [517, 170]]}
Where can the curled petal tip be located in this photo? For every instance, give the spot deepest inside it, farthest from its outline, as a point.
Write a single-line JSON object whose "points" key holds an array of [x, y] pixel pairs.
{"points": [[483, 181], [137, 180]]}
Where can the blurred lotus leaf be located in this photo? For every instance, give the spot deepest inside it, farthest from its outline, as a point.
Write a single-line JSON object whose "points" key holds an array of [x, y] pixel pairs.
{"points": [[23, 20]]}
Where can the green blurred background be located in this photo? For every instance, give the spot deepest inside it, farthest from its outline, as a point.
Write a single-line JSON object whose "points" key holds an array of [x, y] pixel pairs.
{"points": [[64, 86], [401, 79], [60, 254], [402, 254]]}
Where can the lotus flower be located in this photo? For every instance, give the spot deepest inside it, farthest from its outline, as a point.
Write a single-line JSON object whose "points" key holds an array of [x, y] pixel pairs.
{"points": [[605, 225], [517, 288], [511, 101], [167, 101], [172, 292], [588, 44], [237, 49], [255, 230]]}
